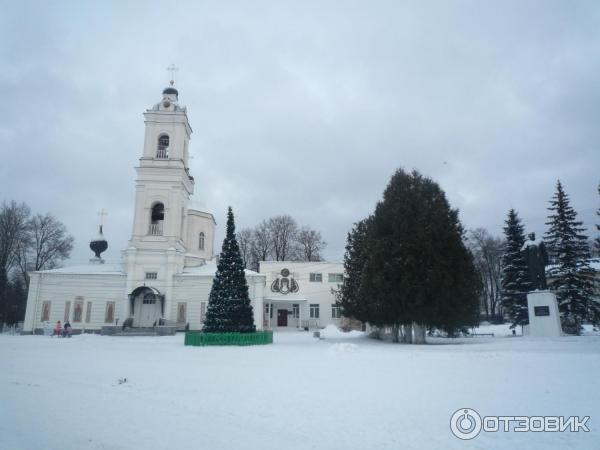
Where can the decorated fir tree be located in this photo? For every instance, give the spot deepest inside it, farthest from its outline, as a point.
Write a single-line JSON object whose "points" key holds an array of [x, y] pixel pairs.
{"points": [[229, 308], [571, 274], [515, 280]]}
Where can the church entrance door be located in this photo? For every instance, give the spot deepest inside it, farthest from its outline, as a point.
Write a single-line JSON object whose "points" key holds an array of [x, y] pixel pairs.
{"points": [[149, 311]]}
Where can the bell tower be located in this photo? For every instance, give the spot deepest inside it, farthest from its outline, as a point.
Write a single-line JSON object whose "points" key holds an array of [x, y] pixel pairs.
{"points": [[163, 184]]}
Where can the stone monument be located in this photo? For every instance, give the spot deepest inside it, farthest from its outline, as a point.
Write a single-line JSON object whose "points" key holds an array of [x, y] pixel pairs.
{"points": [[544, 318]]}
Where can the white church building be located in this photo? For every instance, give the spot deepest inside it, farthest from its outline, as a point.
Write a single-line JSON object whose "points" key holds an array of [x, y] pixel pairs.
{"points": [[166, 272]]}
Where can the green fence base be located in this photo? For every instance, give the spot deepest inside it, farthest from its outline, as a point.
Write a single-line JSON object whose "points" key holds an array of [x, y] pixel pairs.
{"points": [[200, 339]]}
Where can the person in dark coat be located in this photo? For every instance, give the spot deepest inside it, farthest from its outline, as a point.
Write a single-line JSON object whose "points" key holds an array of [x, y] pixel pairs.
{"points": [[67, 329]]}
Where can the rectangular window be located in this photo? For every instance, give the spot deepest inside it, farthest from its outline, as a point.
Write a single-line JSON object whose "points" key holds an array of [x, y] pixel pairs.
{"points": [[151, 275], [202, 312], [269, 308], [295, 310], [88, 312], [67, 311], [316, 277], [45, 311], [181, 312], [335, 277], [336, 312], [314, 310], [78, 310], [109, 314]]}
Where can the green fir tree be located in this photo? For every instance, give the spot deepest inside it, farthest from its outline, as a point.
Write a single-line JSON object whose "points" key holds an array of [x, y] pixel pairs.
{"points": [[570, 272], [351, 296], [229, 308], [515, 280], [419, 270]]}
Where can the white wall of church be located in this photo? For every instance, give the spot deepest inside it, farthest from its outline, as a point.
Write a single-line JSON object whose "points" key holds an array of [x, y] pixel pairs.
{"points": [[60, 288], [200, 222], [193, 291]]}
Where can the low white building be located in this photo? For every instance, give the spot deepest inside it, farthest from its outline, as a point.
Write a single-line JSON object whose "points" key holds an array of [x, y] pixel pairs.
{"points": [[301, 294], [166, 272]]}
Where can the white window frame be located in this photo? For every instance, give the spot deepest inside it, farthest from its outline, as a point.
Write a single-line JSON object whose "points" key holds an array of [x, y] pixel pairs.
{"points": [[88, 312], [203, 307], [108, 305], [336, 312], [335, 277], [315, 277], [315, 311]]}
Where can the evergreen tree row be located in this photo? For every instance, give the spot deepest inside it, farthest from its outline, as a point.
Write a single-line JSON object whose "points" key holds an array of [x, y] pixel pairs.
{"points": [[407, 265], [570, 274]]}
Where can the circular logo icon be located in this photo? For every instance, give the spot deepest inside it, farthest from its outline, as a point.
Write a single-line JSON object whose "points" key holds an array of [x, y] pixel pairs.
{"points": [[465, 423]]}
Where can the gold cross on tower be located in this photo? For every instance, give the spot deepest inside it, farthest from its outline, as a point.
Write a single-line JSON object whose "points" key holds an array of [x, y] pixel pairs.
{"points": [[172, 68], [102, 213]]}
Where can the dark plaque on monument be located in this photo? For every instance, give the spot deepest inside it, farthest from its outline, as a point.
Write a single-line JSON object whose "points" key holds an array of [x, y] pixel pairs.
{"points": [[541, 310]]}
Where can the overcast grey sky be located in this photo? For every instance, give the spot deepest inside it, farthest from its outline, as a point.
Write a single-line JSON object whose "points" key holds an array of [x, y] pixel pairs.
{"points": [[304, 108]]}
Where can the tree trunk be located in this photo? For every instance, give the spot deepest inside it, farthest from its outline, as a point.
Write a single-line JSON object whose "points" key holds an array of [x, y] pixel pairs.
{"points": [[376, 333], [419, 334], [395, 332], [408, 337]]}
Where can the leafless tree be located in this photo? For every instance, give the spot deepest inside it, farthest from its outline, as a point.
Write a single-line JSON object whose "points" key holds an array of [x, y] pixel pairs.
{"points": [[47, 246], [261, 245], [283, 230], [245, 238], [487, 252], [13, 231], [310, 244]]}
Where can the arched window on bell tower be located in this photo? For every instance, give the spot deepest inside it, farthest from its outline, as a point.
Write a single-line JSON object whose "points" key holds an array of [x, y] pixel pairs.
{"points": [[201, 241], [157, 217], [162, 150]]}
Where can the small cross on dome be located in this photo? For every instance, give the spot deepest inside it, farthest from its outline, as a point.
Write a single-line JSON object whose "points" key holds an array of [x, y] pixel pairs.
{"points": [[102, 213], [172, 68]]}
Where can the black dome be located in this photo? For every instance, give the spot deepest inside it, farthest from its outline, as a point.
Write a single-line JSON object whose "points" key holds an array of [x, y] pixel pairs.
{"points": [[170, 90]]}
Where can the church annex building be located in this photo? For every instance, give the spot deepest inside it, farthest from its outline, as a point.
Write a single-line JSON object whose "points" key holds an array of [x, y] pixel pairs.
{"points": [[166, 272]]}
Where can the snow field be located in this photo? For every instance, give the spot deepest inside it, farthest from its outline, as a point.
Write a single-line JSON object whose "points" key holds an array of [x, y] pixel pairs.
{"points": [[341, 392]]}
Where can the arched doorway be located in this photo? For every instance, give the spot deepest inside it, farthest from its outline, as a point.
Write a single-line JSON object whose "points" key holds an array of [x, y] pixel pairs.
{"points": [[147, 306]]}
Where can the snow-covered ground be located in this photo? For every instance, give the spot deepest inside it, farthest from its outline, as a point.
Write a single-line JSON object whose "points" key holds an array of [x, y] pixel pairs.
{"points": [[341, 392]]}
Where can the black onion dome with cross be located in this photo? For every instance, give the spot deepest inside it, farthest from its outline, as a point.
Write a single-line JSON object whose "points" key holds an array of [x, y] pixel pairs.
{"points": [[99, 243], [171, 90]]}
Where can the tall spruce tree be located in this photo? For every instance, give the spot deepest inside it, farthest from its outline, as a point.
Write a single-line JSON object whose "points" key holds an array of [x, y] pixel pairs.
{"points": [[419, 270], [571, 274], [229, 308], [598, 227], [515, 280], [351, 295]]}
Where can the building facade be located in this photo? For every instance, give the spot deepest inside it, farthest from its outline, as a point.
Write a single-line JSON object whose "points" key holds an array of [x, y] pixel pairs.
{"points": [[301, 295], [166, 273]]}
